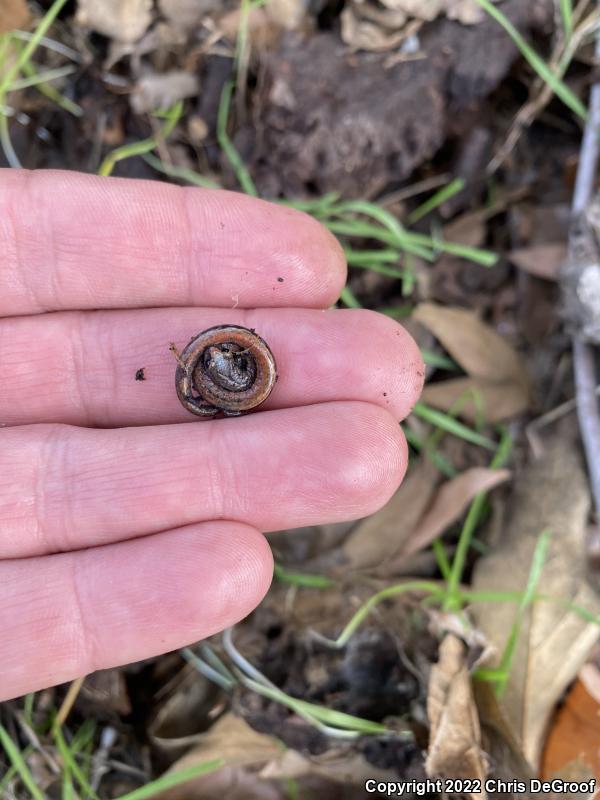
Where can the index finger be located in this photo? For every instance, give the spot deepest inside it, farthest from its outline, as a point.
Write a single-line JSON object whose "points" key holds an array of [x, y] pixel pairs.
{"points": [[74, 241]]}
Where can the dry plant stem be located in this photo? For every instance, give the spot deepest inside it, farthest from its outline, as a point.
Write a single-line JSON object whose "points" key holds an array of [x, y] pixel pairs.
{"points": [[587, 410], [33, 739], [583, 354], [69, 701], [541, 93]]}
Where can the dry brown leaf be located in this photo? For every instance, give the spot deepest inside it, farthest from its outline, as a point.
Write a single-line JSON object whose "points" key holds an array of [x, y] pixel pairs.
{"points": [[574, 735], [541, 260], [239, 746], [414, 516], [265, 23], [455, 736], [467, 12], [499, 401], [472, 343], [380, 536], [504, 753], [287, 14], [106, 689], [256, 766], [494, 368], [469, 228], [345, 768], [450, 502], [186, 14], [363, 33], [553, 642], [155, 90], [422, 9], [123, 20], [181, 712], [13, 14]]}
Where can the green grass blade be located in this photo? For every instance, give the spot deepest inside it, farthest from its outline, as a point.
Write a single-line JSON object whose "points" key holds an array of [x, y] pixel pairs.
{"points": [[400, 312], [379, 214], [436, 200], [450, 425], [83, 736], [363, 612], [6, 143], [408, 282], [16, 759], [215, 661], [171, 117], [337, 722], [453, 599], [381, 269], [31, 46], [433, 359], [492, 597], [537, 564], [432, 453], [181, 173], [318, 207], [302, 579], [210, 671], [73, 766], [348, 299], [483, 257], [566, 12], [339, 719], [68, 791], [366, 230], [8, 776], [442, 559], [173, 779], [362, 258], [28, 708], [560, 89], [53, 94], [37, 78], [489, 674], [227, 146]]}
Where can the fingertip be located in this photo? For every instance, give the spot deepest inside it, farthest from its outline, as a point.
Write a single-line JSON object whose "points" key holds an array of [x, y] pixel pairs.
{"points": [[246, 570], [374, 462], [405, 366], [326, 262], [388, 457], [289, 253], [176, 587]]}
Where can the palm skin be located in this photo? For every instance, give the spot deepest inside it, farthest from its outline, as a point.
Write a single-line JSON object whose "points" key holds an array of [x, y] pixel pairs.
{"points": [[127, 527]]}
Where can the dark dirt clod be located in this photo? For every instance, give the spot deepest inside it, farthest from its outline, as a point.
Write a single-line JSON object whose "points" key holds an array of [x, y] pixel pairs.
{"points": [[331, 120]]}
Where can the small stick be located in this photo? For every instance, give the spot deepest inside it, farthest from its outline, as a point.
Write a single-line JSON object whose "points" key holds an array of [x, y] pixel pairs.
{"points": [[583, 354], [67, 703]]}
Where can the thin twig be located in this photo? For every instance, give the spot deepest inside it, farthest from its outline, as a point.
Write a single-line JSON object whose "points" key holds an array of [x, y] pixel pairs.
{"points": [[541, 92], [583, 354], [68, 702]]}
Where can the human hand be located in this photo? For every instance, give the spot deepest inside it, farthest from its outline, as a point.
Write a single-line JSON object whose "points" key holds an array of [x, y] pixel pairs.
{"points": [[124, 532]]}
